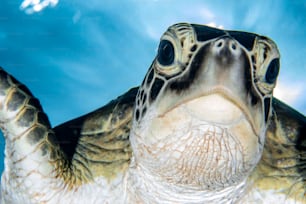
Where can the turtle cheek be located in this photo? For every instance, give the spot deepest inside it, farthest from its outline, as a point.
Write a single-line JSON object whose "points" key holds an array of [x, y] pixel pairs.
{"points": [[250, 141]]}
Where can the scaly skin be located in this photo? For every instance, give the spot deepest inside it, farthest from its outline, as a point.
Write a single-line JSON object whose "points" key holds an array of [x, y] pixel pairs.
{"points": [[38, 165]]}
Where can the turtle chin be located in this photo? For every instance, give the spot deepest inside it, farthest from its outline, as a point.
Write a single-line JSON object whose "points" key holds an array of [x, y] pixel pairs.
{"points": [[204, 143]]}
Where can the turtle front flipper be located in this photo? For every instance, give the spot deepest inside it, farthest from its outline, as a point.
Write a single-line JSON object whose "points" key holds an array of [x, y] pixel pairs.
{"points": [[34, 163], [83, 160]]}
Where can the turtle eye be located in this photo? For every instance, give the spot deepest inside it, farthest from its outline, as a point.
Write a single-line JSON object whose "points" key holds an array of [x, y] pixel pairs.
{"points": [[165, 53], [272, 71]]}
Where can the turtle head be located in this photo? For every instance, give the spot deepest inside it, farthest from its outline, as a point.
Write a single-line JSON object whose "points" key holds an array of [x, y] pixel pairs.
{"points": [[202, 110]]}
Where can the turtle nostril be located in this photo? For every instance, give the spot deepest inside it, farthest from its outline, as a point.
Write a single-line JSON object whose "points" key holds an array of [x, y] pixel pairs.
{"points": [[234, 47], [219, 44]]}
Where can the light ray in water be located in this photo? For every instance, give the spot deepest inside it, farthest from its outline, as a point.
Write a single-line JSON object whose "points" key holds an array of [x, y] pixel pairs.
{"points": [[32, 6]]}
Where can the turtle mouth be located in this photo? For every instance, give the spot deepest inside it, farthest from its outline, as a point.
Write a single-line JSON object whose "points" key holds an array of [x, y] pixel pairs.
{"points": [[217, 105]]}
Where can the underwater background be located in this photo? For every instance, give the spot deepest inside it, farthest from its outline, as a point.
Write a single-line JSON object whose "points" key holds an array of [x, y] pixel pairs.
{"points": [[75, 56]]}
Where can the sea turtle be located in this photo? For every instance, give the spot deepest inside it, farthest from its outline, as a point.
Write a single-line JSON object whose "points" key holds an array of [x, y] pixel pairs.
{"points": [[203, 127]]}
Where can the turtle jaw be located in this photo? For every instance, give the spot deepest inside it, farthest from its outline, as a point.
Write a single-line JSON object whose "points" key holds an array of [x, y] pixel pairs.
{"points": [[210, 109]]}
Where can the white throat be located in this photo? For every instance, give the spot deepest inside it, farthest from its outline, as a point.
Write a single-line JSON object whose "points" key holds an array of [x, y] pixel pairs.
{"points": [[186, 156], [143, 187]]}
